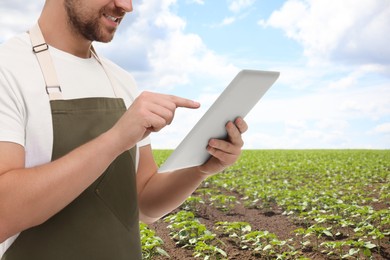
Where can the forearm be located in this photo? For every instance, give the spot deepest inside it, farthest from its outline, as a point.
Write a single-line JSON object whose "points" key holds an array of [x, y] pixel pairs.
{"points": [[30, 196], [166, 191]]}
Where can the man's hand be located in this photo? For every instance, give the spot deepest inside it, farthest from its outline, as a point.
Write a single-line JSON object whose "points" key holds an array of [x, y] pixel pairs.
{"points": [[225, 152], [150, 112]]}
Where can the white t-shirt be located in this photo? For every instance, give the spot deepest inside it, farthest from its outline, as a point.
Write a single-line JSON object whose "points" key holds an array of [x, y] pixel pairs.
{"points": [[25, 114]]}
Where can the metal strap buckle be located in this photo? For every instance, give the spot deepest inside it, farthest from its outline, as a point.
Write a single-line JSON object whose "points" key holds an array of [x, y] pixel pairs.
{"points": [[52, 87], [40, 48]]}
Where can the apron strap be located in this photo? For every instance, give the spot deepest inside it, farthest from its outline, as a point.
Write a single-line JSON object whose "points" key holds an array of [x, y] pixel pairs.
{"points": [[41, 51], [40, 48], [110, 78]]}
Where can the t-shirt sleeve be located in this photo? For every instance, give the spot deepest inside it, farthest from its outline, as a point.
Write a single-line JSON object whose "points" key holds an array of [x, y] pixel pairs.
{"points": [[11, 111], [143, 142]]}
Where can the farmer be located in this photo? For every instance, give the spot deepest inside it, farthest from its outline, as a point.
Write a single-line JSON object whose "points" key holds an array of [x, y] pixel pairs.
{"points": [[76, 166]]}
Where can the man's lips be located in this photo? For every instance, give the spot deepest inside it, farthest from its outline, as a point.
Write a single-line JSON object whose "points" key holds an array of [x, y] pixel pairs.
{"points": [[112, 18]]}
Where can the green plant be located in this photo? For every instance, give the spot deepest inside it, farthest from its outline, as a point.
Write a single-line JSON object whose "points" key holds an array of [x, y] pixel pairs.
{"points": [[337, 248], [318, 232], [223, 202], [267, 245], [192, 203], [235, 230], [190, 233], [205, 193], [333, 195], [362, 246], [187, 233], [208, 251], [151, 244]]}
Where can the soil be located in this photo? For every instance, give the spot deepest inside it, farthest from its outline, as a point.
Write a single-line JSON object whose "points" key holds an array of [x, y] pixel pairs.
{"points": [[259, 219]]}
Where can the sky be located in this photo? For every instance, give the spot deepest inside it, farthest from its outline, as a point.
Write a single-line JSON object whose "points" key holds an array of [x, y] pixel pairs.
{"points": [[333, 57]]}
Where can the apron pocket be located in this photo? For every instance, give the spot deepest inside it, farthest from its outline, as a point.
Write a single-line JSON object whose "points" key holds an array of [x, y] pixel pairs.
{"points": [[117, 189]]}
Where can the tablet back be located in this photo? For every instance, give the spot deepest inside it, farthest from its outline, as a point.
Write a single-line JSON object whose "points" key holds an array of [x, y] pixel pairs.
{"points": [[236, 100]]}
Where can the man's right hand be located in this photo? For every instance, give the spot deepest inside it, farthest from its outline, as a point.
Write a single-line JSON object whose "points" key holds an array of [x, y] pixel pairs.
{"points": [[150, 112]]}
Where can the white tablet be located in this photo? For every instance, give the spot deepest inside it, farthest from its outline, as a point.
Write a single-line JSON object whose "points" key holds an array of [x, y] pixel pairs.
{"points": [[236, 100]]}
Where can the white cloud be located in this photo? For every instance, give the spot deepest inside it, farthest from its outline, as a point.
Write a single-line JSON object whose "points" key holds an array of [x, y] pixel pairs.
{"points": [[239, 9], [314, 105], [337, 30], [383, 129], [370, 103], [200, 2], [17, 16], [319, 115], [343, 89], [153, 45], [239, 5], [293, 139], [296, 124], [334, 125], [228, 20]]}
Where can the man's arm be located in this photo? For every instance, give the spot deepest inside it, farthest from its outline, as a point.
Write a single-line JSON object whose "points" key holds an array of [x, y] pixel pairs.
{"points": [[159, 194], [30, 196]]}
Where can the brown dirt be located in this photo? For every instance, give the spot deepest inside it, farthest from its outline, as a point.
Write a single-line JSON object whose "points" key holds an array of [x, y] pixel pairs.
{"points": [[271, 220]]}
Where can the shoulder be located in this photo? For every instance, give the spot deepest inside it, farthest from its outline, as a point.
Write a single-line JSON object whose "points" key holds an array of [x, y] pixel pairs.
{"points": [[17, 59], [15, 50], [123, 78], [20, 75]]}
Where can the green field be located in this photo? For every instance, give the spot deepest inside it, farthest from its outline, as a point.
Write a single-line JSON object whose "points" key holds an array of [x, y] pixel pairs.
{"points": [[283, 204]]}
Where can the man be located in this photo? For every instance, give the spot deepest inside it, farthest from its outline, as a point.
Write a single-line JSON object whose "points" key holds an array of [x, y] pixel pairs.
{"points": [[76, 166]]}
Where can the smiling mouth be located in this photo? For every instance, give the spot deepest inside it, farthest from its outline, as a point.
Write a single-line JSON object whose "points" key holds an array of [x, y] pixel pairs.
{"points": [[112, 18]]}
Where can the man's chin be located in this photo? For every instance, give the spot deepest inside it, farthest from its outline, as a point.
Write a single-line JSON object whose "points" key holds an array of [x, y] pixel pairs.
{"points": [[105, 38]]}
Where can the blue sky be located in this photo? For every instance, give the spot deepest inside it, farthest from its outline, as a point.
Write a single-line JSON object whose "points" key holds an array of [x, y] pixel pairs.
{"points": [[334, 88]]}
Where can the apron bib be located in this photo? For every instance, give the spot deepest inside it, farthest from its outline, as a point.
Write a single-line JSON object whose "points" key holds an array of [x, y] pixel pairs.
{"points": [[102, 223]]}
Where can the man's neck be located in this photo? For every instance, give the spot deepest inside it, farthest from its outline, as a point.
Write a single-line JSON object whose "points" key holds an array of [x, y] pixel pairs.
{"points": [[57, 33]]}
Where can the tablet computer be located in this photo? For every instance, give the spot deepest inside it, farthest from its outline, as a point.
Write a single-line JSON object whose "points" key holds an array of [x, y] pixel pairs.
{"points": [[239, 97]]}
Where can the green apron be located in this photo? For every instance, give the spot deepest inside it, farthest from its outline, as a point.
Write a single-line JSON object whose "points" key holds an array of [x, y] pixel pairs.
{"points": [[102, 223]]}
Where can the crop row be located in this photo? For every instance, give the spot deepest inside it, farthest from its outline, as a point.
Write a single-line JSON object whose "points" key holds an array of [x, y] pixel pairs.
{"points": [[188, 232], [338, 199], [341, 196]]}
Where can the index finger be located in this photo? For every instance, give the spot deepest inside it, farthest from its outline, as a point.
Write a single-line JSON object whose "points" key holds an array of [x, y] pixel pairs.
{"points": [[184, 102]]}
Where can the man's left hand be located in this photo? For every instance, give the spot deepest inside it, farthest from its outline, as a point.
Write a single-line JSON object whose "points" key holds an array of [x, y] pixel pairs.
{"points": [[225, 152]]}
